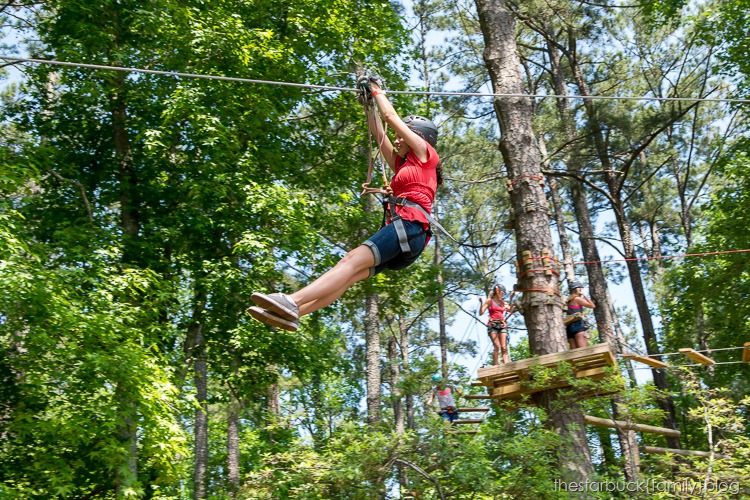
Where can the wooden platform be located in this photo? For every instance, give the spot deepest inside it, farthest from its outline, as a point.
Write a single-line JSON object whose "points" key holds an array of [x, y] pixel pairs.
{"points": [[510, 382], [468, 421]]}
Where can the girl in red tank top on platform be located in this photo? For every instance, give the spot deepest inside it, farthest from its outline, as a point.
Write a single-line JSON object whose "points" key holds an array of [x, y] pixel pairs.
{"points": [[497, 327]]}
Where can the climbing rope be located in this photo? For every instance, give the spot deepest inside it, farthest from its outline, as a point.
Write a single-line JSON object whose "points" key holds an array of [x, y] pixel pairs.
{"points": [[377, 157]]}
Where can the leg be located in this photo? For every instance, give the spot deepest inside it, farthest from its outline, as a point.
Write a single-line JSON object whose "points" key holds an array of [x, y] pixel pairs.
{"points": [[581, 339], [355, 266], [453, 417], [495, 346], [504, 346]]}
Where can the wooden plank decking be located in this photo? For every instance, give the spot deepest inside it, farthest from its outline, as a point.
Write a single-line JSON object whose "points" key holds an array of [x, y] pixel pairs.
{"points": [[510, 382]]}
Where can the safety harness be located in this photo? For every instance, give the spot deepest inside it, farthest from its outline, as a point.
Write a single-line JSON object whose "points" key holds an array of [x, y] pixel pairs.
{"points": [[388, 200], [573, 316]]}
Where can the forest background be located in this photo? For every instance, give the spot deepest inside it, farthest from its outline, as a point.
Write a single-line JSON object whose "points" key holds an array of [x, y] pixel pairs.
{"points": [[139, 211]]}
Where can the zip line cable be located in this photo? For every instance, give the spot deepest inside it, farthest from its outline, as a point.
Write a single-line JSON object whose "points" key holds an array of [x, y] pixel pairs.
{"points": [[349, 89], [678, 256], [412, 92]]}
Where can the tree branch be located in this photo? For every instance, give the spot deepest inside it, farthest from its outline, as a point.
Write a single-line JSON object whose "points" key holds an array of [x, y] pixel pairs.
{"points": [[580, 178], [80, 188]]}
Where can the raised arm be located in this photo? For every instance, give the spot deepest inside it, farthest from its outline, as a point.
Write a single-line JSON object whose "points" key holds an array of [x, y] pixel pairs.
{"points": [[389, 114], [587, 302], [381, 138]]}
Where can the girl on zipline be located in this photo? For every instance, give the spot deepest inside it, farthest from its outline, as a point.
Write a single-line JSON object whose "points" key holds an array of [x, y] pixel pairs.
{"points": [[575, 326], [416, 165], [497, 327]]}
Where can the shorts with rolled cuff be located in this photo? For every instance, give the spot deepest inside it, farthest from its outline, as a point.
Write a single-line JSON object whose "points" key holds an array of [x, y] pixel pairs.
{"points": [[387, 251]]}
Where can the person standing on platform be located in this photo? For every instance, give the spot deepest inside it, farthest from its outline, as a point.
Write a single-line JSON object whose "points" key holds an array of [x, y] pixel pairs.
{"points": [[497, 327], [575, 326]]}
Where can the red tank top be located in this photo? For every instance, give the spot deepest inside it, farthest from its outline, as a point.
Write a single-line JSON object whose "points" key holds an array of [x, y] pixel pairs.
{"points": [[417, 182], [497, 311]]}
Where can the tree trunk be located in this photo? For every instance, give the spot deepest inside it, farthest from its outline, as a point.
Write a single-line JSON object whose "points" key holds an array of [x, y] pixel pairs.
{"points": [[394, 372], [129, 222], [541, 301], [200, 465], [233, 444], [444, 368], [404, 343], [608, 452], [604, 312], [665, 401], [623, 225], [233, 436], [372, 359], [558, 208]]}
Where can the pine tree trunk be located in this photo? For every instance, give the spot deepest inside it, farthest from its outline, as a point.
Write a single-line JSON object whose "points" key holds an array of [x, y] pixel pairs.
{"points": [[200, 464], [444, 368], [604, 312], [608, 452], [540, 301], [394, 371], [130, 224], [233, 444], [558, 208], [404, 343], [665, 401], [623, 225], [372, 359]]}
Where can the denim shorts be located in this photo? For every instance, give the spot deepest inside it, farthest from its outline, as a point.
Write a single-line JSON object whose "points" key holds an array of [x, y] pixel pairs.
{"points": [[387, 251], [572, 329]]}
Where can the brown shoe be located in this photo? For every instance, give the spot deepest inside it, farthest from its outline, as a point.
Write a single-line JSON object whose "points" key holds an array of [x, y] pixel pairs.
{"points": [[278, 303], [273, 319]]}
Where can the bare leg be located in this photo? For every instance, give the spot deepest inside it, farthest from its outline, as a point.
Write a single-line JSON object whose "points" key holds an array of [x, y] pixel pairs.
{"points": [[496, 347], [572, 343], [331, 285], [581, 339], [504, 346], [322, 302]]}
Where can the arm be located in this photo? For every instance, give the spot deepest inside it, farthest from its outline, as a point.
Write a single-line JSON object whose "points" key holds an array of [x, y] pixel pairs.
{"points": [[584, 301], [484, 307], [381, 138], [416, 143], [587, 302]]}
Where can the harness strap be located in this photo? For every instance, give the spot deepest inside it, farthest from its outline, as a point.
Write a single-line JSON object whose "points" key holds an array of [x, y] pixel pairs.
{"points": [[392, 201]]}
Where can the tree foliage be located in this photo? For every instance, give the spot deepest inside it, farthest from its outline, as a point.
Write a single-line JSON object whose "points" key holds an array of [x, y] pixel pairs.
{"points": [[139, 211]]}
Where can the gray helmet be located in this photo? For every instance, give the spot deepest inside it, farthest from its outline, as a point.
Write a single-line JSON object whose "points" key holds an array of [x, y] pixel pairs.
{"points": [[423, 127], [572, 285], [501, 289]]}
